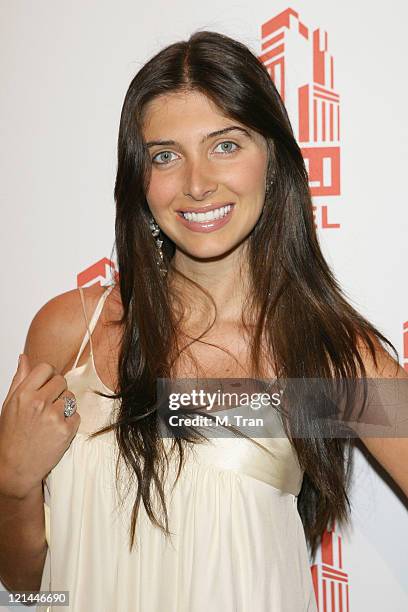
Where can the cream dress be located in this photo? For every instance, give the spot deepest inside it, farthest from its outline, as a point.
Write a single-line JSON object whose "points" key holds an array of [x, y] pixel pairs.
{"points": [[238, 543]]}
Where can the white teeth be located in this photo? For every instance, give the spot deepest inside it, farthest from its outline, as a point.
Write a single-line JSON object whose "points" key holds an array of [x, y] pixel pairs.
{"points": [[209, 216]]}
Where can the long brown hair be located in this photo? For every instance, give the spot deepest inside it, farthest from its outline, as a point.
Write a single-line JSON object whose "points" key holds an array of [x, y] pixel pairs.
{"points": [[302, 315]]}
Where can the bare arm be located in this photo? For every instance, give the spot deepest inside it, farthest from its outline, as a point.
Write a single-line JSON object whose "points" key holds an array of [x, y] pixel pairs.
{"points": [[23, 544], [390, 452], [51, 339]]}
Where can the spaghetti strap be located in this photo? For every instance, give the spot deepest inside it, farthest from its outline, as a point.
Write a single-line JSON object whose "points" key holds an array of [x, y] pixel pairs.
{"points": [[90, 326]]}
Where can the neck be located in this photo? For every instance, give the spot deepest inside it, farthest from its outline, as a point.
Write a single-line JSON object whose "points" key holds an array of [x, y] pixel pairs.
{"points": [[225, 277]]}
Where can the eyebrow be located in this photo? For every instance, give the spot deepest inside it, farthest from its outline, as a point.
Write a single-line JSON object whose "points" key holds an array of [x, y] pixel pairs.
{"points": [[152, 143]]}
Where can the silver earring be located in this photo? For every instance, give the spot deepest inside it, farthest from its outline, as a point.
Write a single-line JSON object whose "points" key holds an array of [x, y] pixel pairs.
{"points": [[155, 229], [269, 185]]}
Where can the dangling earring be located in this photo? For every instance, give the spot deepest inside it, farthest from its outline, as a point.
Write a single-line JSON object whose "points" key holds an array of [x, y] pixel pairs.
{"points": [[155, 229], [269, 185]]}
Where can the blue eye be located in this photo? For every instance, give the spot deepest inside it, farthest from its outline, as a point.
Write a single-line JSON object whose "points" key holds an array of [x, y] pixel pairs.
{"points": [[158, 155], [229, 142]]}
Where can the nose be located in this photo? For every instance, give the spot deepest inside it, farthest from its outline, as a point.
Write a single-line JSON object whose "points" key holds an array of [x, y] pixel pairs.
{"points": [[198, 182]]}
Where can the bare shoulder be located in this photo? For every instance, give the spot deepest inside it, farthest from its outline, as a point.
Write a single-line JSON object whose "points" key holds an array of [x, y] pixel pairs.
{"points": [[57, 329], [384, 365]]}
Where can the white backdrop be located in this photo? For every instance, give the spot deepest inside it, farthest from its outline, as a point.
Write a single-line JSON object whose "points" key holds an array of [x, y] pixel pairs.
{"points": [[65, 68]]}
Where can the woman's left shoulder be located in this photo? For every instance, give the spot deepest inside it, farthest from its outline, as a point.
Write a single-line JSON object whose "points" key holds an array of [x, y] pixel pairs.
{"points": [[390, 449], [380, 364]]}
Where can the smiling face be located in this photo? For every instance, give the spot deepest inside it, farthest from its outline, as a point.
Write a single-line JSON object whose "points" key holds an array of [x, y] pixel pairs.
{"points": [[194, 169]]}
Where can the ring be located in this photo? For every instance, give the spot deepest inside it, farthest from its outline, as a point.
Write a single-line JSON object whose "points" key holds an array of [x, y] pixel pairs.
{"points": [[70, 406]]}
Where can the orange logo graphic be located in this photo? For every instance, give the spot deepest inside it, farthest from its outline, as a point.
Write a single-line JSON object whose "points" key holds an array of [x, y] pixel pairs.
{"points": [[329, 579], [103, 271], [302, 69]]}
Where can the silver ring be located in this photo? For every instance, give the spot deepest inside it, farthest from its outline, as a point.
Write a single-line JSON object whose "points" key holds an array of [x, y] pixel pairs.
{"points": [[70, 406]]}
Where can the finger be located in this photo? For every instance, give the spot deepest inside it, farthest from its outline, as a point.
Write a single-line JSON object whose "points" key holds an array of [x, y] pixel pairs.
{"points": [[23, 369], [52, 389], [38, 376]]}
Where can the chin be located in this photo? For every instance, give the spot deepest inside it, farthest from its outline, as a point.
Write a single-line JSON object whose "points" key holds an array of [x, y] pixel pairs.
{"points": [[209, 252]]}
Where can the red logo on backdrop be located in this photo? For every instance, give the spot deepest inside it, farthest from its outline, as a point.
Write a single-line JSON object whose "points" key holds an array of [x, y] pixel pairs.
{"points": [[329, 578], [405, 345], [302, 69], [103, 272]]}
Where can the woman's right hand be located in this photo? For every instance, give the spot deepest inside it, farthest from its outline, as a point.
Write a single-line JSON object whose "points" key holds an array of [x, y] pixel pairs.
{"points": [[34, 433]]}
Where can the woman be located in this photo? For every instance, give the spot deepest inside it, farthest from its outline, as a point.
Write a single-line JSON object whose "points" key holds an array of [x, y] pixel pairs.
{"points": [[241, 293]]}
